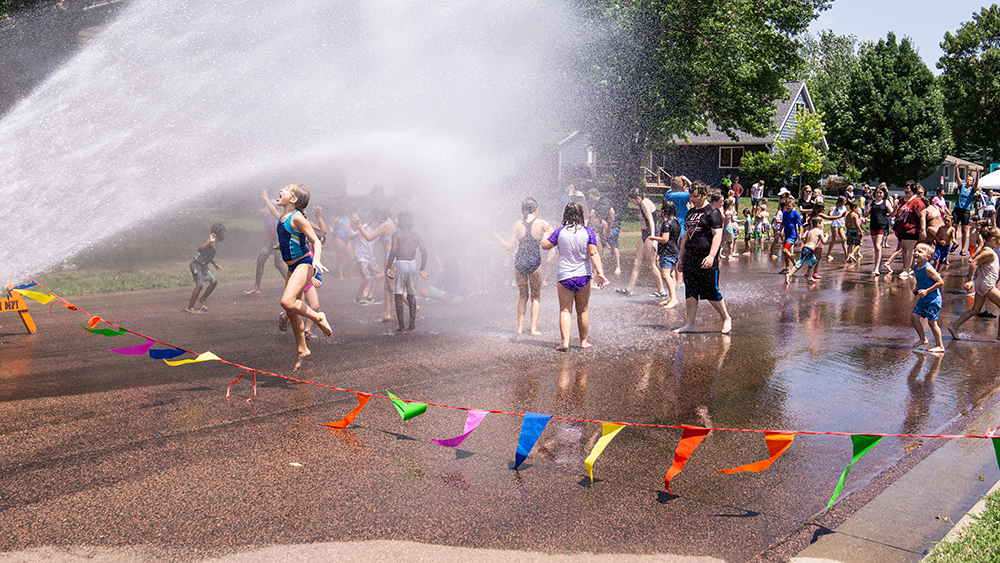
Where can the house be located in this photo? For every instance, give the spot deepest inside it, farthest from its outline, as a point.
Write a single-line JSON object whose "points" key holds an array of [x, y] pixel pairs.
{"points": [[711, 156], [950, 174]]}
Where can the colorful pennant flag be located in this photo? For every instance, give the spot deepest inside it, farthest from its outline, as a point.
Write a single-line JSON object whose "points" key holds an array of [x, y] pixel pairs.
{"points": [[166, 354], [608, 432], [201, 358], [40, 297], [471, 423], [996, 448], [777, 443], [862, 444], [134, 350], [94, 321], [24, 286], [531, 429], [347, 420], [109, 332], [407, 410], [690, 438]]}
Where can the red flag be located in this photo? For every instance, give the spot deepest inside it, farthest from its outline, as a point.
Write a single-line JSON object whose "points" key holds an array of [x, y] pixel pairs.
{"points": [[692, 436]]}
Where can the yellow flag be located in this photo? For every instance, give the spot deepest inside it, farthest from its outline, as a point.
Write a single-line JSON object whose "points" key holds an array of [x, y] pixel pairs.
{"points": [[40, 297], [201, 358], [610, 430]]}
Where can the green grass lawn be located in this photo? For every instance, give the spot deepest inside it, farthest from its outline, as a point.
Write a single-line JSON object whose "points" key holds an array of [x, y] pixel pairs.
{"points": [[978, 543]]}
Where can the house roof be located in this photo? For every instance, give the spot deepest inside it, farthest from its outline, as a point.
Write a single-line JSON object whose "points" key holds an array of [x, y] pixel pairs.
{"points": [[955, 161], [784, 109]]}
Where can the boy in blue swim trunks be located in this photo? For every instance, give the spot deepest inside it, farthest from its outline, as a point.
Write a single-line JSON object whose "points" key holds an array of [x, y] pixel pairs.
{"points": [[928, 292], [813, 238], [200, 270]]}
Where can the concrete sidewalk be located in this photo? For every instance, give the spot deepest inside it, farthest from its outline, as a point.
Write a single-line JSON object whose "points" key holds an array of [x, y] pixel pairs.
{"points": [[919, 508]]}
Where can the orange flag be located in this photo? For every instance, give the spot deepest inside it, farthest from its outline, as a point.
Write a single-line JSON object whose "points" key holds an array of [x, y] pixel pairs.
{"points": [[777, 443], [344, 422], [692, 436]]}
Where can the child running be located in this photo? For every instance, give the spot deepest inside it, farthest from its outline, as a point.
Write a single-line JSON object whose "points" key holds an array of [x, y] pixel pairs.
{"points": [[294, 230], [200, 270], [813, 238], [983, 275], [928, 291], [403, 268], [578, 260]]}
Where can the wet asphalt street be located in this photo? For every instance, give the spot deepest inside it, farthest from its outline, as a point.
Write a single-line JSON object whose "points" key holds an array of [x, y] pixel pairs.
{"points": [[127, 453]]}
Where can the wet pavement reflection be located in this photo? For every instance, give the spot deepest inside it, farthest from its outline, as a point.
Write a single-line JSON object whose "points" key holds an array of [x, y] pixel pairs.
{"points": [[109, 450]]}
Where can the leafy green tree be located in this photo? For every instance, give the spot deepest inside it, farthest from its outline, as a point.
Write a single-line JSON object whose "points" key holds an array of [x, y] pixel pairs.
{"points": [[760, 166], [892, 119], [803, 151], [970, 81], [667, 67], [829, 61]]}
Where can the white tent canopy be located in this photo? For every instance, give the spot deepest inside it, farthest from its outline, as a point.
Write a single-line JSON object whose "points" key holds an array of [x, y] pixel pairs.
{"points": [[990, 181]]}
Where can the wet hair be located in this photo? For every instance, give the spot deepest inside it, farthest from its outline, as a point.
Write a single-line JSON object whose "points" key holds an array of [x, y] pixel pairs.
{"points": [[989, 232], [528, 206], [817, 221], [725, 204], [716, 197], [636, 193], [573, 214], [668, 209], [676, 183], [926, 247], [698, 188], [404, 220], [787, 203], [853, 205], [219, 230], [301, 195]]}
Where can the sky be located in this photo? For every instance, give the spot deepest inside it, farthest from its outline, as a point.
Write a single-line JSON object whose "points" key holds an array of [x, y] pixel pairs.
{"points": [[923, 21]]}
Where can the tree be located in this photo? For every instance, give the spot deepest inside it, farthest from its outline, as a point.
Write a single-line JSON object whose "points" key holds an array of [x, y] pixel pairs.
{"points": [[802, 152], [759, 165], [892, 119], [829, 61], [665, 68], [970, 81]]}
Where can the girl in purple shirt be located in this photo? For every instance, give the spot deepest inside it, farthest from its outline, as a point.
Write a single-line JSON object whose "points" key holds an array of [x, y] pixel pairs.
{"points": [[578, 259]]}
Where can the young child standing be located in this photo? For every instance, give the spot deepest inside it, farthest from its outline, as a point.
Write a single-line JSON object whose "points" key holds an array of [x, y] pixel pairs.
{"points": [[813, 238], [852, 223], [668, 250], [294, 230], [791, 224], [983, 275], [943, 241], [403, 268], [928, 291], [200, 270]]}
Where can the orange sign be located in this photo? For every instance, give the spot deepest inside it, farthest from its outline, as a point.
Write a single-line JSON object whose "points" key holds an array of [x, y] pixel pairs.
{"points": [[15, 304]]}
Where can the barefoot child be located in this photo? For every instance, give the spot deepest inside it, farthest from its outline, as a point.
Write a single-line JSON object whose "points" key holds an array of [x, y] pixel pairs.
{"points": [[403, 268], [699, 259], [200, 271], [293, 232], [928, 291], [852, 223], [668, 250], [943, 241], [579, 260], [983, 274], [791, 224], [813, 238]]}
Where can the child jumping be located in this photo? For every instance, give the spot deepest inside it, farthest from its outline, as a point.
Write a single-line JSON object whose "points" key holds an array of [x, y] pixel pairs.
{"points": [[403, 268], [928, 291], [813, 238], [200, 270], [293, 232]]}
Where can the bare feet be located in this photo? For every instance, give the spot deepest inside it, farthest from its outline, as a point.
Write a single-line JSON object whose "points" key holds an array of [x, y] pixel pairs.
{"points": [[300, 358], [788, 278], [936, 350], [584, 344], [252, 292], [618, 271], [520, 330], [669, 304], [535, 332], [919, 343], [727, 325], [193, 311], [954, 335], [204, 306], [324, 325], [682, 329], [562, 347], [385, 319]]}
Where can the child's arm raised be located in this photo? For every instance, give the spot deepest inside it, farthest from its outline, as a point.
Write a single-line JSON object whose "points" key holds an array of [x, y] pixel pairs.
{"points": [[382, 229], [270, 205]]}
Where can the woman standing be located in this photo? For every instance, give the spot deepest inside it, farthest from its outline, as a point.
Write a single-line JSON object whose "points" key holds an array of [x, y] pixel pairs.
{"points": [[527, 234], [878, 213]]}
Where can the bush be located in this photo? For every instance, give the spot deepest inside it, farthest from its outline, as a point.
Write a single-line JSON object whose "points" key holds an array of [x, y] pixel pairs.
{"points": [[759, 166]]}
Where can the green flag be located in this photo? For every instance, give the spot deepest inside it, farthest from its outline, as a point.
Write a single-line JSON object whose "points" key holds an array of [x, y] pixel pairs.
{"points": [[862, 444]]}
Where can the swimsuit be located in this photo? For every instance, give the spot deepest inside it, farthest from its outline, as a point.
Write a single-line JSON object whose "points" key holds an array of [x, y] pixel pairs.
{"points": [[291, 242], [985, 278], [529, 255]]}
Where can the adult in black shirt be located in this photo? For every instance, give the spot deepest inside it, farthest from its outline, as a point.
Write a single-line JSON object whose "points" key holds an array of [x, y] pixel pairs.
{"points": [[700, 258]]}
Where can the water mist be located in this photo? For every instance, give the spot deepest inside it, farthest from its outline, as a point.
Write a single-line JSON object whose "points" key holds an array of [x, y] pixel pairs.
{"points": [[177, 99]]}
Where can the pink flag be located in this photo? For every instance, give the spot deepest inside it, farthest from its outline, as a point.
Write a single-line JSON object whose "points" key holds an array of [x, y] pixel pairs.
{"points": [[471, 423]]}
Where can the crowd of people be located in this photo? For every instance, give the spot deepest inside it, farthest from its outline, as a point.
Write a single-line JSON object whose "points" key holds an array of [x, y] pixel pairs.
{"points": [[682, 243]]}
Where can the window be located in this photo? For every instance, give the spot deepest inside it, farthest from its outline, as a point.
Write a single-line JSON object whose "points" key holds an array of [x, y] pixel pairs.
{"points": [[730, 157]]}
